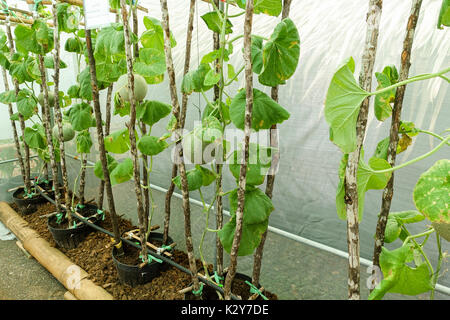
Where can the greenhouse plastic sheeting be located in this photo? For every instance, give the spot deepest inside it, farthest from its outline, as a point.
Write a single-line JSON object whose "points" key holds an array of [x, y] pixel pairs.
{"points": [[306, 182]]}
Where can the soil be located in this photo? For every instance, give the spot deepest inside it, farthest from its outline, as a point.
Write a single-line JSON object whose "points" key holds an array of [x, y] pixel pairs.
{"points": [[94, 256]]}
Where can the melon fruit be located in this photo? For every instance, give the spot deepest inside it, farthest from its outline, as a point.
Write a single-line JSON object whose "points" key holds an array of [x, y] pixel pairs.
{"points": [[140, 87]]}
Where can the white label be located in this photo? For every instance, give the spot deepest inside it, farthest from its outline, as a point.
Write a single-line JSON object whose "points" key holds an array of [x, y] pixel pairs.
{"points": [[97, 14]]}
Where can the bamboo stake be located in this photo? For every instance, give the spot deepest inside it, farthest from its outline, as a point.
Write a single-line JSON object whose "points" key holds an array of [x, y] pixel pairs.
{"points": [[351, 191], [258, 256], [388, 192], [131, 126], [79, 3], [101, 143], [26, 148], [149, 244], [57, 108], [245, 153], [181, 165], [180, 126]]}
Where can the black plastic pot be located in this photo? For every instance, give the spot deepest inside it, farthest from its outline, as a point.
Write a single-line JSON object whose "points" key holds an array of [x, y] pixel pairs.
{"points": [[67, 238], [133, 275], [87, 211], [27, 206]]}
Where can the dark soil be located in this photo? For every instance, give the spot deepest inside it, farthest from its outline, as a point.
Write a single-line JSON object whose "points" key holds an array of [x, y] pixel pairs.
{"points": [[94, 256]]}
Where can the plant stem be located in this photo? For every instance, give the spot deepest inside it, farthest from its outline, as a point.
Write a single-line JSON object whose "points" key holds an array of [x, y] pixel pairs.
{"points": [[407, 163], [410, 80], [433, 134], [438, 267]]}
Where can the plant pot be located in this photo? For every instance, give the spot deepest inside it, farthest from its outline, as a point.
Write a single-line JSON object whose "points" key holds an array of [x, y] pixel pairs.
{"points": [[67, 238], [132, 275], [87, 211], [27, 206]]}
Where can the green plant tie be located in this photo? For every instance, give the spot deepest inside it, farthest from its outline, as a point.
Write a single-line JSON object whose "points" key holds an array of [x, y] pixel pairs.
{"points": [[254, 289], [218, 278], [150, 258], [166, 248], [29, 195], [199, 291], [74, 225], [101, 214], [59, 218], [80, 206]]}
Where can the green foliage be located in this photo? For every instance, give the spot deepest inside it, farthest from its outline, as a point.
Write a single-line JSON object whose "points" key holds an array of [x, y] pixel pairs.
{"points": [[266, 112], [151, 146], [68, 17], [153, 37], [214, 22], [37, 38], [444, 15], [367, 179], [150, 112], [384, 101], [74, 45], [122, 172], [84, 142], [111, 164], [395, 222], [34, 137], [197, 178], [260, 159], [26, 104], [258, 207], [80, 116], [342, 104], [268, 7], [118, 141], [194, 80], [257, 54], [280, 54], [151, 64], [398, 276]]}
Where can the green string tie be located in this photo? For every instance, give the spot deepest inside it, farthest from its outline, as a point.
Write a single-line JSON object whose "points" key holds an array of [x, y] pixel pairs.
{"points": [[101, 214], [254, 289], [166, 248], [150, 258], [199, 291], [59, 218], [218, 279], [74, 225]]}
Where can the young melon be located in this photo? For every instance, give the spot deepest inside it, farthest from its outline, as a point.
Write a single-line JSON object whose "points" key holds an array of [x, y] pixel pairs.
{"points": [[140, 87], [51, 99], [68, 132]]}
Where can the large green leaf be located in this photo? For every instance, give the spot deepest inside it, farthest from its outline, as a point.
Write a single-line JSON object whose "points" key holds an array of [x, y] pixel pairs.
{"points": [[74, 45], [19, 71], [151, 64], [153, 37], [110, 43], [194, 178], [84, 142], [255, 221], [8, 96], [27, 106], [396, 220], [367, 179], [151, 145], [383, 101], [398, 276], [432, 192], [342, 104], [194, 81], [80, 116], [280, 54], [118, 141], [214, 22], [150, 112], [257, 54], [269, 7], [122, 172], [266, 112], [258, 166], [111, 164], [34, 137], [444, 15]]}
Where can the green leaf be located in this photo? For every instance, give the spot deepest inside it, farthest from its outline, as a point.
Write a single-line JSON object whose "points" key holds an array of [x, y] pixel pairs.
{"points": [[74, 45], [111, 164], [214, 22], [151, 146], [213, 110], [343, 101], [399, 277], [211, 78], [405, 217], [266, 112], [210, 131], [84, 142], [19, 71], [260, 159], [280, 54], [257, 54], [80, 116], [432, 192], [384, 101], [444, 15], [153, 37], [150, 112], [8, 96], [194, 81], [26, 104], [194, 178], [257, 209], [122, 172], [151, 64], [268, 7], [367, 179], [110, 43], [4, 62], [34, 137], [49, 63], [84, 79], [118, 141], [408, 128], [382, 149], [208, 176], [74, 91]]}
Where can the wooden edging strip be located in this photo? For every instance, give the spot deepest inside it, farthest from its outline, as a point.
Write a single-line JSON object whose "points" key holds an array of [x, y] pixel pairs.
{"points": [[70, 275]]}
